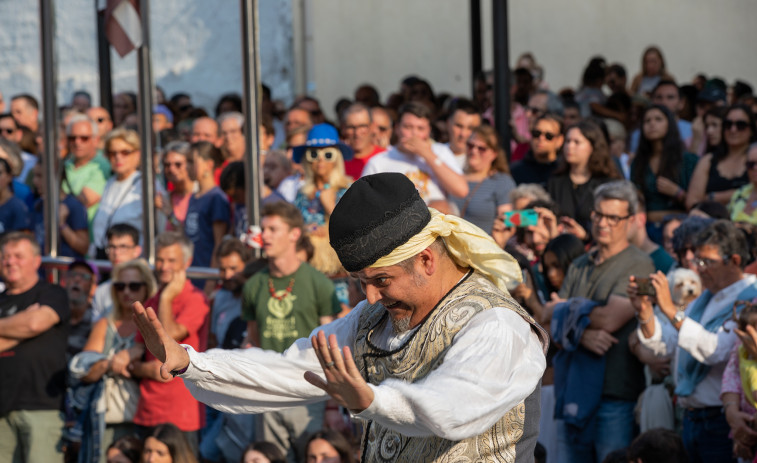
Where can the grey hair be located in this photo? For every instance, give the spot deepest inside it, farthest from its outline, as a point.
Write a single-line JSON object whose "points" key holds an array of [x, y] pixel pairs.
{"points": [[281, 158], [554, 104], [622, 190], [529, 190], [355, 108], [179, 147], [77, 118], [237, 116], [171, 238]]}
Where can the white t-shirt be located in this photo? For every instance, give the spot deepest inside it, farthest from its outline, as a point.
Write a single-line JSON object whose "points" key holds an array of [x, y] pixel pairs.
{"points": [[415, 168], [459, 157]]}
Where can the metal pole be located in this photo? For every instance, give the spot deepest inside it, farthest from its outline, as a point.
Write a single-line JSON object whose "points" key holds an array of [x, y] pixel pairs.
{"points": [[103, 60], [145, 135], [475, 43], [251, 82], [501, 73], [50, 124]]}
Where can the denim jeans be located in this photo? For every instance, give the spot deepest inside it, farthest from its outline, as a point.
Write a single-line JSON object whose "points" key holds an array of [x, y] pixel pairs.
{"points": [[614, 427], [705, 436]]}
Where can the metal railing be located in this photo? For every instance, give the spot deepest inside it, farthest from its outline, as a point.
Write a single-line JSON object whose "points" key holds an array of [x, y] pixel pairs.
{"points": [[62, 263], [251, 84]]}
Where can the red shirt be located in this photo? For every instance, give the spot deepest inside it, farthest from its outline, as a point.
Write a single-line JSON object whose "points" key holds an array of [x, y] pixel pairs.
{"points": [[354, 167], [171, 402]]}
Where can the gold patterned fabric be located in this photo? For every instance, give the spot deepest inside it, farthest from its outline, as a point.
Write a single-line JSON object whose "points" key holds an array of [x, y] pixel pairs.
{"points": [[422, 353]]}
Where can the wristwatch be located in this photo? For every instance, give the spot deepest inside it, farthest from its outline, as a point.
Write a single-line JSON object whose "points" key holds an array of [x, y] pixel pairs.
{"points": [[678, 317]]}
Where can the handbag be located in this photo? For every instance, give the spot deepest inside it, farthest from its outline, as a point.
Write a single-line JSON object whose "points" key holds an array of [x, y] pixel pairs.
{"points": [[120, 396]]}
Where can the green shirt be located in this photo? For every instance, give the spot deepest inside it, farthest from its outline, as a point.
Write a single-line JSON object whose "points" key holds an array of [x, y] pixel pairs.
{"points": [[291, 314], [624, 373], [94, 175]]}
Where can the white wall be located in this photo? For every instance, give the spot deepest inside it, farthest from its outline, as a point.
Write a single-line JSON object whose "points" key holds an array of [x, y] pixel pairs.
{"points": [[382, 41], [196, 48]]}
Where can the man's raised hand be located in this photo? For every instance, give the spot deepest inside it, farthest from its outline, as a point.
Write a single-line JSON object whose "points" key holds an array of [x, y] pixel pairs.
{"points": [[343, 380], [157, 341]]}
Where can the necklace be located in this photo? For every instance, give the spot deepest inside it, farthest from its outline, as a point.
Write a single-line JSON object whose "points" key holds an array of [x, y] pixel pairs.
{"points": [[287, 291]]}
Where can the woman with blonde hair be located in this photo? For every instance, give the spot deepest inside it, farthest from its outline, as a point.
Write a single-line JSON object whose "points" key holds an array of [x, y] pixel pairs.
{"points": [[652, 72], [112, 336], [121, 201], [488, 177], [322, 158]]}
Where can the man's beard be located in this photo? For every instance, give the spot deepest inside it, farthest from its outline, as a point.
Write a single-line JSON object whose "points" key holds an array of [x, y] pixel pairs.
{"points": [[400, 325]]}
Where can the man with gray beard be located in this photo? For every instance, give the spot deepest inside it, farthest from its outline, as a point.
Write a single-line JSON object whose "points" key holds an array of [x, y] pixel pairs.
{"points": [[437, 326]]}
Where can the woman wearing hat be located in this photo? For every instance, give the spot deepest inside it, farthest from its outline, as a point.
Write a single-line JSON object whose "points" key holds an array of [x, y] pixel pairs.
{"points": [[322, 158]]}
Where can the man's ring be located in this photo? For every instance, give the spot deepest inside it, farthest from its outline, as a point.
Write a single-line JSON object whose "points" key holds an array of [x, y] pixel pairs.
{"points": [[330, 364]]}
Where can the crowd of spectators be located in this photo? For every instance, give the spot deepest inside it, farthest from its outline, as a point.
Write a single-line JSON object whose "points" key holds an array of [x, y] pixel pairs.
{"points": [[630, 209]]}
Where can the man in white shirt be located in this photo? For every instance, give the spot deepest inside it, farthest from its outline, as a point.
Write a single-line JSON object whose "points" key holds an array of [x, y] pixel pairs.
{"points": [[429, 165], [437, 326], [697, 335], [462, 120]]}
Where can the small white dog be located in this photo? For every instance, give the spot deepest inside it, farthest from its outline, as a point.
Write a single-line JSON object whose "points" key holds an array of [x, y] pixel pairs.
{"points": [[685, 286]]}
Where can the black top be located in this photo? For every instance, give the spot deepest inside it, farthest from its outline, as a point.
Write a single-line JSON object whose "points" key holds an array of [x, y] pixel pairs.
{"points": [[529, 170], [576, 201], [32, 374], [716, 182]]}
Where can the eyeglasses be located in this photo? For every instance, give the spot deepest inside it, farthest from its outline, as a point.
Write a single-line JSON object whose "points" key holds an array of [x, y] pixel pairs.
{"points": [[703, 262], [83, 275], [328, 155], [612, 220], [751, 165], [728, 124], [355, 128], [120, 247], [7, 131], [538, 133], [475, 147], [133, 286], [124, 153], [177, 165], [82, 138]]}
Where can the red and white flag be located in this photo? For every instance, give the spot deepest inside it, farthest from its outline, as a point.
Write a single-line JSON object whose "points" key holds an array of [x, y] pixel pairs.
{"points": [[123, 25]]}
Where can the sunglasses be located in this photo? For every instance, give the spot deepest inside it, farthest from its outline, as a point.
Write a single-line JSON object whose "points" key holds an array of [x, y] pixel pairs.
{"points": [[536, 134], [133, 286], [177, 165], [84, 138], [328, 155], [120, 153], [728, 124], [475, 147]]}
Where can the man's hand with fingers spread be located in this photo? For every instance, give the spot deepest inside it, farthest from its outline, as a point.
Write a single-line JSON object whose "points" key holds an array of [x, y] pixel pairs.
{"points": [[157, 341], [343, 380]]}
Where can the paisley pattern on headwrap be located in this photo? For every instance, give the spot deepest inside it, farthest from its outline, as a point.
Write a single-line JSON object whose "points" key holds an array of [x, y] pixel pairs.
{"points": [[423, 352], [364, 246]]}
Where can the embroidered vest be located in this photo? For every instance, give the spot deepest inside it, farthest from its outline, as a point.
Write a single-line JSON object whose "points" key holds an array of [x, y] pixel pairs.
{"points": [[511, 439]]}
